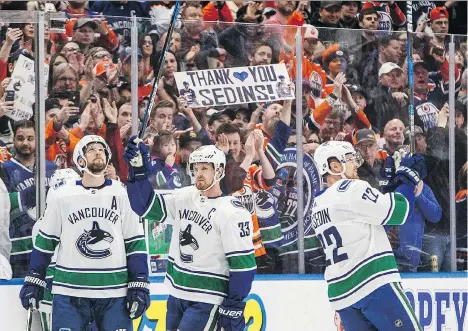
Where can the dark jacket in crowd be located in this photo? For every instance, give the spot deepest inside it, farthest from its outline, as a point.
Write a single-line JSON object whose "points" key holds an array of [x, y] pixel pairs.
{"points": [[382, 107], [371, 174]]}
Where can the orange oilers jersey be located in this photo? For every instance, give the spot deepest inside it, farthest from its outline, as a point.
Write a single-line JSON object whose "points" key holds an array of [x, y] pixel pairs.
{"points": [[253, 183], [5, 155], [57, 150]]}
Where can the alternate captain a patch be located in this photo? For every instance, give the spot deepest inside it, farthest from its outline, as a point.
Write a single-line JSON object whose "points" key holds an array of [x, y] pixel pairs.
{"points": [[95, 244]]}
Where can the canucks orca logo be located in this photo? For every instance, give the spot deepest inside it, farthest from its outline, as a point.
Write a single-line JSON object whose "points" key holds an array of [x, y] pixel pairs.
{"points": [[95, 244], [186, 239]]}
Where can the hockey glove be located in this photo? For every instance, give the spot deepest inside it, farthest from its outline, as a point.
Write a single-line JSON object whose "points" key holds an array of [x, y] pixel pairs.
{"points": [[407, 175], [137, 157], [412, 170], [415, 162], [32, 291], [387, 176], [231, 316], [138, 299]]}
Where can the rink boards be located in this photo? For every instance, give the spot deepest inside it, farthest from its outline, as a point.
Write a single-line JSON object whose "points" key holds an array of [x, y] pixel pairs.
{"points": [[294, 302]]}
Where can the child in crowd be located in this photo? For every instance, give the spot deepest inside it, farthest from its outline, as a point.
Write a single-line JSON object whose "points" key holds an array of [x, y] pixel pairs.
{"points": [[165, 170]]}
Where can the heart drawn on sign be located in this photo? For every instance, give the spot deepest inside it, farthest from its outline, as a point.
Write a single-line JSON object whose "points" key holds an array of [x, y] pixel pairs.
{"points": [[241, 75]]}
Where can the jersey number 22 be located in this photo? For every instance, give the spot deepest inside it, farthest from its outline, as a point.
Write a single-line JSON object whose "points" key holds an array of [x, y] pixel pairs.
{"points": [[332, 236]]}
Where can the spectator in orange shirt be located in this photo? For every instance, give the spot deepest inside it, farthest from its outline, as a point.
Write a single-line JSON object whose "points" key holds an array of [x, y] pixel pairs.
{"points": [[287, 13], [59, 142], [311, 71]]}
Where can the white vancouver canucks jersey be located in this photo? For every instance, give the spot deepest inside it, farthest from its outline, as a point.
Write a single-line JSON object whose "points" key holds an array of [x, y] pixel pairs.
{"points": [[97, 230], [210, 238], [348, 219]]}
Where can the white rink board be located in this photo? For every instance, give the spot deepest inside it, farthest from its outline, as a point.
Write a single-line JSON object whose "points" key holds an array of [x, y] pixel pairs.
{"points": [[290, 302]]}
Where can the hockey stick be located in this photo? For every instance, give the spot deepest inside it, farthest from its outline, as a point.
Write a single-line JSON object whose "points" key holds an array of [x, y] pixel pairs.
{"points": [[409, 60], [159, 67], [29, 320]]}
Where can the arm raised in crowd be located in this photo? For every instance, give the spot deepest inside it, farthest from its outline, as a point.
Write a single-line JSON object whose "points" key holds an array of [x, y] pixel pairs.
{"points": [[268, 173], [12, 36], [360, 119], [188, 112], [319, 113], [213, 12], [249, 149]]}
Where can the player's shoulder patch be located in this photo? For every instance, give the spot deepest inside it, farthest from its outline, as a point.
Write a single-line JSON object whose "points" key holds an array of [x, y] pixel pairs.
{"points": [[59, 184], [236, 203], [344, 185]]}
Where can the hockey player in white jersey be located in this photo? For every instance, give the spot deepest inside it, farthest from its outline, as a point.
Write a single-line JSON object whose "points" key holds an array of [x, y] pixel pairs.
{"points": [[348, 218], [5, 242], [211, 263], [101, 271], [59, 177]]}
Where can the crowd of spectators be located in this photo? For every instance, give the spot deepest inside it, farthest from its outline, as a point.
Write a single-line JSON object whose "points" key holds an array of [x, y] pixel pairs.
{"points": [[355, 88]]}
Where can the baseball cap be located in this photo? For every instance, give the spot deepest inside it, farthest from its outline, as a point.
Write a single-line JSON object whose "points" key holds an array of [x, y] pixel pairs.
{"points": [[229, 112], [328, 4], [188, 136], [368, 5], [388, 67], [407, 132], [142, 97], [358, 89], [83, 21], [349, 118], [102, 67], [365, 135], [420, 62], [438, 13], [245, 111], [310, 32], [126, 53], [269, 11]]}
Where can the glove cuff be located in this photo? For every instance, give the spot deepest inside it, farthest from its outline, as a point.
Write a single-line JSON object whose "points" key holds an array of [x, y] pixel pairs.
{"points": [[405, 171], [35, 281], [139, 285], [233, 303]]}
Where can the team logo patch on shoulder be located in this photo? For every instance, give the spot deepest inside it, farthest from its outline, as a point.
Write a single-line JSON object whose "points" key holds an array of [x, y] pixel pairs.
{"points": [[61, 183], [95, 243], [236, 203], [344, 185]]}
